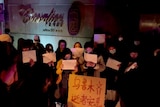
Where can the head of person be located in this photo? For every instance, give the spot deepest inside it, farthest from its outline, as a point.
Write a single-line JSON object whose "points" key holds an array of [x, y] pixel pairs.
{"points": [[120, 38], [36, 39], [77, 45], [8, 56], [49, 48], [62, 44], [112, 49], [7, 30], [134, 52], [89, 47], [67, 54], [27, 44]]}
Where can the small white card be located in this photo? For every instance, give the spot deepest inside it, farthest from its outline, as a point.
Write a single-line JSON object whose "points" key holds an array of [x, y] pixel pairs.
{"points": [[132, 66], [48, 57], [77, 52], [69, 64], [112, 63], [90, 57], [28, 55], [99, 38]]}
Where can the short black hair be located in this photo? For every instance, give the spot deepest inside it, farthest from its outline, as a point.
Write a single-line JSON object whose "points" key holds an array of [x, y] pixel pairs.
{"points": [[88, 44]]}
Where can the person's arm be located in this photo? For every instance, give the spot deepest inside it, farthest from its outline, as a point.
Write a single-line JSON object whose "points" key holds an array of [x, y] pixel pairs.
{"points": [[100, 66]]}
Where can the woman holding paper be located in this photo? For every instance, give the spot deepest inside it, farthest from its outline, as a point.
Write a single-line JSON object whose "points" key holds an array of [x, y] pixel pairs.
{"points": [[65, 66], [62, 46]]}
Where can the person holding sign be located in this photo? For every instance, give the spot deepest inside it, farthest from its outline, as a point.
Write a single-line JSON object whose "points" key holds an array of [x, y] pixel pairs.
{"points": [[130, 82], [92, 63], [65, 66], [49, 59], [113, 65]]}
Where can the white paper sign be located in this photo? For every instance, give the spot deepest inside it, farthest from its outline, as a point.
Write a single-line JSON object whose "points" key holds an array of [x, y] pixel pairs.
{"points": [[132, 66], [90, 57], [99, 38], [77, 52], [112, 63], [28, 55], [69, 64], [48, 57], [86, 91]]}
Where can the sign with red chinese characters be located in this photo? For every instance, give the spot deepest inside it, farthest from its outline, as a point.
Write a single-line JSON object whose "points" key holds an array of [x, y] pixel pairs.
{"points": [[86, 91]]}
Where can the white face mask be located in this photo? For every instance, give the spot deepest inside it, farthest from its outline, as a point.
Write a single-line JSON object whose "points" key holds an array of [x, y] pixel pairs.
{"points": [[134, 55], [136, 43], [120, 38], [113, 51]]}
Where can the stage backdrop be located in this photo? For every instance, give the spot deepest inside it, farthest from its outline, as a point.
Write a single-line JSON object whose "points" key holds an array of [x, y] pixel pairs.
{"points": [[51, 20]]}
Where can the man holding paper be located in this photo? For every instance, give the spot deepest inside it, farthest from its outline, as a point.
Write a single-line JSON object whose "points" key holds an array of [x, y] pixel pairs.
{"points": [[91, 63]]}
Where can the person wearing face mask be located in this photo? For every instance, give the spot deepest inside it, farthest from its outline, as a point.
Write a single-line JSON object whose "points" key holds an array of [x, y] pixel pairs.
{"points": [[130, 81], [112, 77], [112, 50]]}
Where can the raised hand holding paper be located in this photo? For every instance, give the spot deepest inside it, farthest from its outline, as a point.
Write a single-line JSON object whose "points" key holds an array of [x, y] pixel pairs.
{"points": [[99, 38], [28, 55], [77, 52]]}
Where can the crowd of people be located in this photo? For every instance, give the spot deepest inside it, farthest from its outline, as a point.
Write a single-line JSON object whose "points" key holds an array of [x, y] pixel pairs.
{"points": [[44, 84]]}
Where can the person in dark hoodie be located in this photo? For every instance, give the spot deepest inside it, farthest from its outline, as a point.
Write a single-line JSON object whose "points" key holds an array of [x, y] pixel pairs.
{"points": [[8, 73], [131, 79]]}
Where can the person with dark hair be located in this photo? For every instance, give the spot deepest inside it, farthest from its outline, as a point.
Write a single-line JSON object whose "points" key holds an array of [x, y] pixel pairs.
{"points": [[38, 46], [130, 80], [49, 48], [52, 68], [90, 68], [8, 72], [63, 77], [7, 31], [62, 46], [77, 45]]}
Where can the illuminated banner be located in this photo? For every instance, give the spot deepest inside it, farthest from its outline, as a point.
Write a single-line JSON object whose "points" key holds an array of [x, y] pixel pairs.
{"points": [[86, 91], [51, 19]]}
